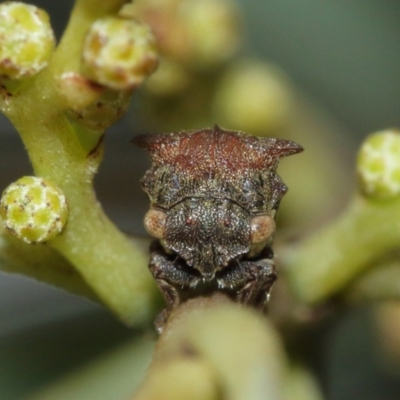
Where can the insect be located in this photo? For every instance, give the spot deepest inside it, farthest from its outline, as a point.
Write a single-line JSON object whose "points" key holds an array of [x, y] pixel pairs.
{"points": [[213, 198]]}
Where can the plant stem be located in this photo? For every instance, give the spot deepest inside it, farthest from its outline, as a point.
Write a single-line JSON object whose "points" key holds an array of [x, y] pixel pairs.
{"points": [[111, 264], [326, 262], [68, 54], [222, 349], [43, 263]]}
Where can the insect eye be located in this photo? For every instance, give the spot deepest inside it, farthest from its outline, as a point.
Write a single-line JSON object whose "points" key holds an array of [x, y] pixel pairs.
{"points": [[262, 228], [154, 223]]}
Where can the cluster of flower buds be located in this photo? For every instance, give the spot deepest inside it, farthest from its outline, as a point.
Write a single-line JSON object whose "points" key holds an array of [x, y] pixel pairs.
{"points": [[34, 209], [200, 33], [193, 36], [118, 54], [26, 40], [378, 165], [197, 39]]}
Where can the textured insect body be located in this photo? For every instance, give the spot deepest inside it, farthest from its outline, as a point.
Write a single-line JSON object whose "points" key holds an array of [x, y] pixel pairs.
{"points": [[213, 194]]}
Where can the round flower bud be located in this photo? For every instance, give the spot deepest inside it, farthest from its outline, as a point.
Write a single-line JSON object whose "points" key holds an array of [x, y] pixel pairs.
{"points": [[26, 40], [119, 53], [33, 209], [213, 31], [253, 97], [201, 34], [378, 165]]}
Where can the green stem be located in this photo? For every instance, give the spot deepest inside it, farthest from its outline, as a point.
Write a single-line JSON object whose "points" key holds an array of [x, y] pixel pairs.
{"points": [[382, 282], [68, 54], [327, 261], [227, 351], [113, 266], [43, 263], [106, 259]]}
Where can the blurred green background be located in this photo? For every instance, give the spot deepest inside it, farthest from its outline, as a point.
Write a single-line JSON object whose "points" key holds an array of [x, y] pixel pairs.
{"points": [[345, 56]]}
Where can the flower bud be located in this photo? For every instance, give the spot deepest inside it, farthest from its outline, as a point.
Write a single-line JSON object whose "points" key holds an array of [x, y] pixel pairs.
{"points": [[33, 209], [78, 92], [378, 165], [26, 40], [253, 97], [201, 34], [105, 111], [119, 53], [213, 31]]}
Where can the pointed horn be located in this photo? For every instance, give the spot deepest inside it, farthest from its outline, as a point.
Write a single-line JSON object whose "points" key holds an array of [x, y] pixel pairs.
{"points": [[148, 141], [160, 146], [278, 148]]}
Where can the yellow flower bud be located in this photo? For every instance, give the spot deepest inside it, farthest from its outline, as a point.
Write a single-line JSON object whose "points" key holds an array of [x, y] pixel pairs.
{"points": [[253, 97], [378, 165], [119, 53], [33, 209], [213, 31], [26, 40], [200, 34]]}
